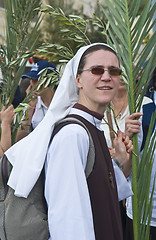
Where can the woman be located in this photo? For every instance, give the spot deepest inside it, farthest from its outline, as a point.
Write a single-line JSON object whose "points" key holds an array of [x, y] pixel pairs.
{"points": [[131, 127], [115, 119], [7, 116], [77, 208]]}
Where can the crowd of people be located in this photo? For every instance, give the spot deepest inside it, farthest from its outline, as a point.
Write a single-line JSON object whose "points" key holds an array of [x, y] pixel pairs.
{"points": [[97, 206]]}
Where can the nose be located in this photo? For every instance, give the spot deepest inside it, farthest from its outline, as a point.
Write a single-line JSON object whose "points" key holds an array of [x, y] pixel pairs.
{"points": [[31, 82], [106, 76]]}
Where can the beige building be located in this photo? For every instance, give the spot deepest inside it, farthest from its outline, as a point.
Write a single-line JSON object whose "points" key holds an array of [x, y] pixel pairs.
{"points": [[2, 22], [88, 9]]}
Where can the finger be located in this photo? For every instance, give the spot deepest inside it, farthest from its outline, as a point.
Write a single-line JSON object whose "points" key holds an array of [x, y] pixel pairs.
{"points": [[119, 135], [128, 145], [126, 140], [135, 115], [132, 121], [130, 149], [3, 109], [134, 130]]}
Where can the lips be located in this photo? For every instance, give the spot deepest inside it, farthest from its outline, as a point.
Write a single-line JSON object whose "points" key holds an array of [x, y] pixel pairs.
{"points": [[105, 88]]}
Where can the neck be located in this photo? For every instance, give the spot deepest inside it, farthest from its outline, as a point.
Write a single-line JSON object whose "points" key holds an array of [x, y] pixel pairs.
{"points": [[85, 109], [121, 94], [120, 102], [98, 109]]}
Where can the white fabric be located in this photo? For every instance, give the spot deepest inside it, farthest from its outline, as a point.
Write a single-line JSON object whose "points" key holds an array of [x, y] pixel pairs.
{"points": [[40, 111], [123, 188], [120, 122], [68, 215], [28, 155]]}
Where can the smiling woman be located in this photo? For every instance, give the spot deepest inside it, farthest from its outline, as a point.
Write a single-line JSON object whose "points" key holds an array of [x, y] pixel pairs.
{"points": [[99, 78], [78, 207]]}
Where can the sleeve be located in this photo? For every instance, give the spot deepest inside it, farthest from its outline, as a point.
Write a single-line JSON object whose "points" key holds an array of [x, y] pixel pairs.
{"points": [[123, 186], [66, 191]]}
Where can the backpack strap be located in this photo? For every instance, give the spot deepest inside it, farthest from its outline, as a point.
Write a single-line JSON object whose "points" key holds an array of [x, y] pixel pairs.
{"points": [[5, 168], [2, 191], [91, 151]]}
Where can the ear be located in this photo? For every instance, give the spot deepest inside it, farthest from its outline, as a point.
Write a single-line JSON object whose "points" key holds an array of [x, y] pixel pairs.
{"points": [[78, 81]]}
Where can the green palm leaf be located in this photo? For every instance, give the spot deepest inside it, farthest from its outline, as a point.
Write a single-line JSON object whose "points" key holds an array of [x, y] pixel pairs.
{"points": [[19, 39], [128, 41]]}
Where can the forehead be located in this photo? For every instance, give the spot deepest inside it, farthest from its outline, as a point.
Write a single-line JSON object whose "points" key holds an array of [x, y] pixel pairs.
{"points": [[102, 57], [34, 80]]}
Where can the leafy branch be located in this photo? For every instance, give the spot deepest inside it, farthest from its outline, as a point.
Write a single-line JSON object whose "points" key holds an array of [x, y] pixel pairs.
{"points": [[74, 27]]}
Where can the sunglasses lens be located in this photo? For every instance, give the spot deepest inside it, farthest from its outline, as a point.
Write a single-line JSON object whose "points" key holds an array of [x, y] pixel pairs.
{"points": [[115, 71], [97, 71]]}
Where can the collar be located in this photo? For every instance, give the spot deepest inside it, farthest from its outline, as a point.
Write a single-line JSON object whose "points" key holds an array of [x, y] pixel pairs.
{"points": [[86, 114], [85, 109], [40, 104]]}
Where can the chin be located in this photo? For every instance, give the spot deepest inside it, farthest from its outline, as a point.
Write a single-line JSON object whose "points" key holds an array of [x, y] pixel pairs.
{"points": [[106, 101]]}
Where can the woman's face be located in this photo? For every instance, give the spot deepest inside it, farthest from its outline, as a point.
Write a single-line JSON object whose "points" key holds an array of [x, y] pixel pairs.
{"points": [[96, 91]]}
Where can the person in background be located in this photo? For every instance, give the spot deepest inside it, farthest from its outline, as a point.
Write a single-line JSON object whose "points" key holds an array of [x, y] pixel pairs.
{"points": [[78, 208], [141, 126], [40, 100], [112, 120], [24, 84], [17, 97], [6, 116], [151, 91]]}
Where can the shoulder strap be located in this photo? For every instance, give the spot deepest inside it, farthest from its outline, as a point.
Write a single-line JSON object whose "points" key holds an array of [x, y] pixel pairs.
{"points": [[91, 152], [5, 168]]}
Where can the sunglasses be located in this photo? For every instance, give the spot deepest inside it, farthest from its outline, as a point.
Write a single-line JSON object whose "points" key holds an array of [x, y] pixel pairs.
{"points": [[99, 70]]}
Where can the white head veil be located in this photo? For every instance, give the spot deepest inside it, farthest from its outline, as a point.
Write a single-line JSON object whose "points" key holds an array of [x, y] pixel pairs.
{"points": [[28, 155]]}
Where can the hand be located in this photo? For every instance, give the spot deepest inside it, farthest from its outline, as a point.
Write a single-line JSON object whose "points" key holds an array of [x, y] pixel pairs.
{"points": [[132, 124], [7, 115], [123, 147], [112, 152]]}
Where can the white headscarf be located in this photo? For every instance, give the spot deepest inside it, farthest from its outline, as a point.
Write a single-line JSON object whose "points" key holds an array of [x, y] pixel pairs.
{"points": [[28, 155]]}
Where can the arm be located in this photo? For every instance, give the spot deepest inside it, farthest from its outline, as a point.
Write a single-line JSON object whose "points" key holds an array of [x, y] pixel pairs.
{"points": [[132, 125], [24, 128], [7, 116], [123, 148], [66, 191]]}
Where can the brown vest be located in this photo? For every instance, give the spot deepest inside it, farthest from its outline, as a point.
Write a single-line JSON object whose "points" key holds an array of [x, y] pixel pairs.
{"points": [[103, 193]]}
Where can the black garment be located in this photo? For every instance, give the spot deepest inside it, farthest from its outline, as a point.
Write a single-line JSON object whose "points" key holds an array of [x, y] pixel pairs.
{"points": [[150, 91], [148, 109], [17, 98], [123, 216], [129, 231]]}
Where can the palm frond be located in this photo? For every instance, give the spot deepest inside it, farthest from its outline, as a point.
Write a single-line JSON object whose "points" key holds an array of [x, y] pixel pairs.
{"points": [[19, 39], [127, 31]]}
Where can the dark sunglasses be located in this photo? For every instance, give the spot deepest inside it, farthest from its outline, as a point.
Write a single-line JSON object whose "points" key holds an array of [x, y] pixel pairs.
{"points": [[113, 71]]}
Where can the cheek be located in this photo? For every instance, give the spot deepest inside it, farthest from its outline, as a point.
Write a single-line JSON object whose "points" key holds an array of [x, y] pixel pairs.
{"points": [[117, 83], [81, 81]]}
